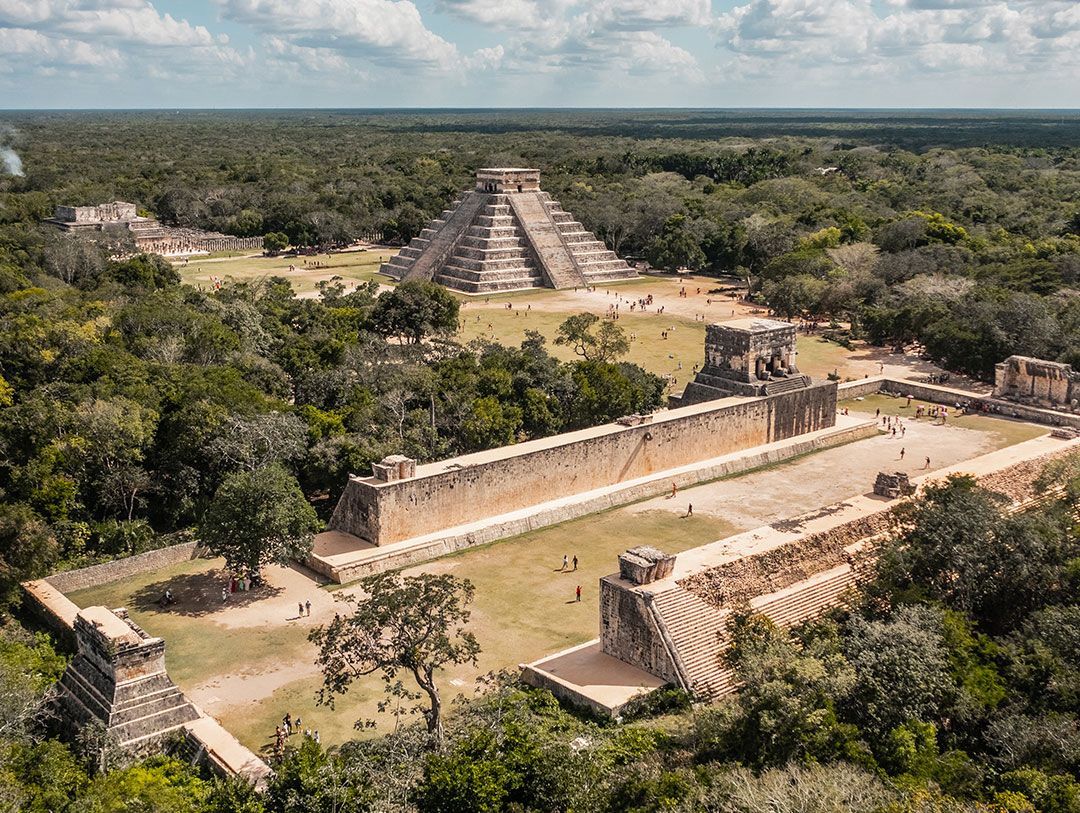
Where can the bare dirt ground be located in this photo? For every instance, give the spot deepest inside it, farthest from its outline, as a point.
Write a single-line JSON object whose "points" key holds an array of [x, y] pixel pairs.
{"points": [[826, 477]]}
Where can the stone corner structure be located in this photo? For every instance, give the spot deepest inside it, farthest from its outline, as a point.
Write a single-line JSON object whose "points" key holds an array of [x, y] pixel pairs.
{"points": [[645, 564], [118, 679], [750, 357], [507, 234], [1034, 381]]}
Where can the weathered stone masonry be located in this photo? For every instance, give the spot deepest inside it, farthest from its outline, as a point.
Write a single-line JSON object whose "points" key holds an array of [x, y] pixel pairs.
{"points": [[487, 484], [677, 629]]}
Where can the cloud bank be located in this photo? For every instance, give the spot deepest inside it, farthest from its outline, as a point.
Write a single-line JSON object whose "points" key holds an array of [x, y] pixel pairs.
{"points": [[535, 52]]}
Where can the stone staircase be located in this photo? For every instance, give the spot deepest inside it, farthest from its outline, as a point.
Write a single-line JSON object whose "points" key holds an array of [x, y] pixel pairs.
{"points": [[441, 245], [558, 264], [787, 384], [698, 630]]}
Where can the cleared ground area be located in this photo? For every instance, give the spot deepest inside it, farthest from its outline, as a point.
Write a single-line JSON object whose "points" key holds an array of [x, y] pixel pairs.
{"points": [[247, 661], [353, 266]]}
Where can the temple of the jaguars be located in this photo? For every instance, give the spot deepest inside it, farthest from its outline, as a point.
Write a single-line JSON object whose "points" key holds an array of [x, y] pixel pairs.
{"points": [[507, 234], [747, 357]]}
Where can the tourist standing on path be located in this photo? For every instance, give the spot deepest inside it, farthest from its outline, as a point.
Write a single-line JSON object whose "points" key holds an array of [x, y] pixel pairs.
{"points": [[299, 609], [902, 453], [927, 463], [578, 593], [575, 562], [565, 562], [674, 490], [307, 608]]}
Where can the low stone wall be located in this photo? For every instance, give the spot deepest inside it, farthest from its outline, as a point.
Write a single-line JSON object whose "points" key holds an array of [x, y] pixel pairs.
{"points": [[994, 406], [736, 583], [68, 581], [859, 389]]}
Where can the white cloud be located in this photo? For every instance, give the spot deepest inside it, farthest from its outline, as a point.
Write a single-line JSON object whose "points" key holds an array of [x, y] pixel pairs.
{"points": [[910, 37], [389, 32]]}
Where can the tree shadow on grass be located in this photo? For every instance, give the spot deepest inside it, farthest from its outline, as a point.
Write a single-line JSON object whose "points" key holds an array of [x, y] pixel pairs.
{"points": [[197, 594]]}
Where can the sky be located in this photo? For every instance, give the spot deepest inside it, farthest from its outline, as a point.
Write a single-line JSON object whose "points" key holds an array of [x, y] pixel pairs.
{"points": [[539, 53]]}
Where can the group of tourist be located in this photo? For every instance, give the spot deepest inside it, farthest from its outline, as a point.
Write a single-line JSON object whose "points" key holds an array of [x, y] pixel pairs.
{"points": [[290, 726], [239, 583]]}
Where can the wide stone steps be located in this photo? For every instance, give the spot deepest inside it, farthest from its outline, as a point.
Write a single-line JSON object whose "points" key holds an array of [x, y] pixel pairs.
{"points": [[479, 275], [555, 260], [698, 630], [788, 384], [492, 243], [442, 245], [450, 279]]}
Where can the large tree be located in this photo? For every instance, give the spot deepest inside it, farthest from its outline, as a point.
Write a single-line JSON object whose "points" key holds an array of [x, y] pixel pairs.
{"points": [[415, 310], [592, 339], [258, 517], [414, 624]]}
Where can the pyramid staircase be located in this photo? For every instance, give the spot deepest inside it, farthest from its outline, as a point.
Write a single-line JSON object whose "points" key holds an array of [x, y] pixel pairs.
{"points": [[506, 241]]}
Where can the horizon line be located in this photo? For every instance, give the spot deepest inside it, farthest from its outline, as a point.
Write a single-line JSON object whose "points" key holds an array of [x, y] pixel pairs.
{"points": [[526, 108]]}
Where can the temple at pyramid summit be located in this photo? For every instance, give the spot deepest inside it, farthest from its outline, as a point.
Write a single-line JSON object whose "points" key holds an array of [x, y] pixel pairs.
{"points": [[504, 235]]}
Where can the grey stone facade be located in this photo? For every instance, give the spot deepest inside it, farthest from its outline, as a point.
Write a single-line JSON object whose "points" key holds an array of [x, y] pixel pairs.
{"points": [[118, 679], [747, 357], [1037, 382]]}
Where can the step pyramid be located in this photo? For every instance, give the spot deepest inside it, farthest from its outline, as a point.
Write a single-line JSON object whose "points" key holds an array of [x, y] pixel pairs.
{"points": [[118, 680], [505, 235]]}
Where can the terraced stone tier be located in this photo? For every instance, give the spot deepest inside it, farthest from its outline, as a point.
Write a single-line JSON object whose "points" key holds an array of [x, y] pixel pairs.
{"points": [[504, 240]]}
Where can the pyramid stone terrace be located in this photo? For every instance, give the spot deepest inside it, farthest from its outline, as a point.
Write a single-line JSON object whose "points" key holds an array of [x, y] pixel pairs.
{"points": [[750, 357], [118, 679], [507, 234]]}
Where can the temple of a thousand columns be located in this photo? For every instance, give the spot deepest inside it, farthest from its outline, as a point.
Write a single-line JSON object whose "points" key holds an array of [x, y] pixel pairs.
{"points": [[504, 235]]}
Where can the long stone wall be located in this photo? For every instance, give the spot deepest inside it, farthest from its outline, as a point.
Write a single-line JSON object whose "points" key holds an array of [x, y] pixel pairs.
{"points": [[487, 484], [935, 394], [68, 581]]}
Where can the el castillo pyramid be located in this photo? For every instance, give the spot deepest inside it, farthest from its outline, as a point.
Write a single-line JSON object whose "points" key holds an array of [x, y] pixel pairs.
{"points": [[504, 235]]}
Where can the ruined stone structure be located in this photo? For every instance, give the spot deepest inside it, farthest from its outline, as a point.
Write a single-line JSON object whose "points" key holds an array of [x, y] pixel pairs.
{"points": [[894, 485], [388, 508], [747, 357], [118, 679], [507, 234], [1034, 381], [148, 234]]}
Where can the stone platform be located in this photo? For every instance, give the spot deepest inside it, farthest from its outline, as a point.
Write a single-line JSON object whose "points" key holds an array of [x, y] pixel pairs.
{"points": [[342, 557], [583, 675]]}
